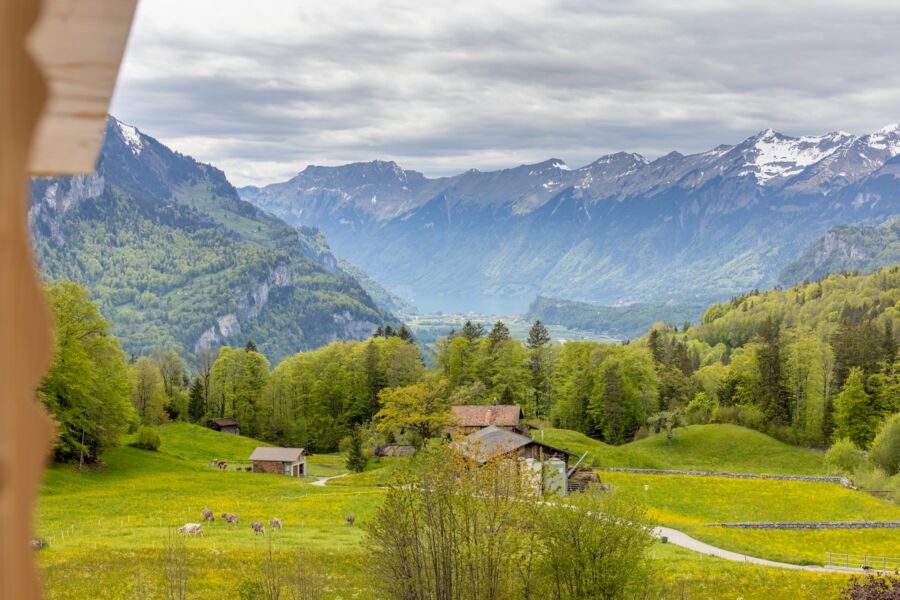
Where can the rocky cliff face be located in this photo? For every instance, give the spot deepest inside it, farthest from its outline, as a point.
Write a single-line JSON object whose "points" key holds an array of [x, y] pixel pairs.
{"points": [[175, 258]]}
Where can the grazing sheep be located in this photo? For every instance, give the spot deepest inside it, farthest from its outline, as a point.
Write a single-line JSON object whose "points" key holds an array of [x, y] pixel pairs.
{"points": [[38, 544], [275, 523], [208, 515], [258, 528], [350, 520], [191, 529], [230, 519]]}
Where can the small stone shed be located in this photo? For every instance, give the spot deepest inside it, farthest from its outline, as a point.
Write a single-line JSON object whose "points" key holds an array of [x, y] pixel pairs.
{"points": [[468, 419], [225, 425], [279, 461]]}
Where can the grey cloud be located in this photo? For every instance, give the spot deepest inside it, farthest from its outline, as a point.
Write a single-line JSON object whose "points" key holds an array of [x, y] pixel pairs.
{"points": [[441, 87]]}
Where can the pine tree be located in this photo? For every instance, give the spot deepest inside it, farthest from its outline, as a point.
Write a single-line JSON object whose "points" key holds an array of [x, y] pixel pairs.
{"points": [[379, 333], [356, 459], [538, 336], [853, 415], [472, 332], [389, 331], [406, 335], [196, 402], [498, 335], [250, 347], [655, 343], [774, 398]]}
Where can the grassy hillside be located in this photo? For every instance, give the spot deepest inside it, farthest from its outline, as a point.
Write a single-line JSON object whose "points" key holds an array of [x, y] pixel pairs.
{"points": [[698, 448], [107, 527], [200, 444]]}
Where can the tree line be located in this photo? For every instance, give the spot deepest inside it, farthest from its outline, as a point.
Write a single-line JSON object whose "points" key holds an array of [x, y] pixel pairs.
{"points": [[810, 365]]}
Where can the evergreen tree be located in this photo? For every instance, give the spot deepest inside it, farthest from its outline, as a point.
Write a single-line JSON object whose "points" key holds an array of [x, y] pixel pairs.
{"points": [[774, 397], [853, 416], [389, 331], [472, 332], [405, 334], [499, 334], [196, 403], [379, 333], [356, 459], [250, 346], [538, 336], [655, 343]]}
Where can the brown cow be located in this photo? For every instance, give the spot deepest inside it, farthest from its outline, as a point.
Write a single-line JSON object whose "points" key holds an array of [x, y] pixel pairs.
{"points": [[258, 528]]}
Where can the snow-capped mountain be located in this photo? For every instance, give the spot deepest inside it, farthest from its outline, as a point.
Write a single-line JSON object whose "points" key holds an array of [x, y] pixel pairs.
{"points": [[620, 228]]}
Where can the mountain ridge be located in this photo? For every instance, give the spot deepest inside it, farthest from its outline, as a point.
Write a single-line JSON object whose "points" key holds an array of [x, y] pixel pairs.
{"points": [[176, 258], [621, 228]]}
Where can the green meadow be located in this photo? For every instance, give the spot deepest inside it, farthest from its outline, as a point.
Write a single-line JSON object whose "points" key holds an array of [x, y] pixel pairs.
{"points": [[107, 527]]}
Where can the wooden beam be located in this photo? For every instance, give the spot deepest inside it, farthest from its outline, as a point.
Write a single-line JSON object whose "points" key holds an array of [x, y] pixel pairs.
{"points": [[81, 52], [79, 45]]}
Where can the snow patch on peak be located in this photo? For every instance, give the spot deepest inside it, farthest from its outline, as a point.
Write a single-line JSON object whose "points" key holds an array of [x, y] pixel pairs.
{"points": [[892, 128], [775, 155], [560, 165], [131, 136]]}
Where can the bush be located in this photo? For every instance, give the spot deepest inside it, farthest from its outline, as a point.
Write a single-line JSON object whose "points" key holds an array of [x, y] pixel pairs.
{"points": [[745, 416], [873, 587], [146, 438], [699, 411], [844, 457], [869, 478], [885, 451]]}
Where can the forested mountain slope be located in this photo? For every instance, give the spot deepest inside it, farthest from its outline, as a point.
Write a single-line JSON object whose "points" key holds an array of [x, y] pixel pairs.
{"points": [[176, 259], [850, 248], [625, 322], [622, 228]]}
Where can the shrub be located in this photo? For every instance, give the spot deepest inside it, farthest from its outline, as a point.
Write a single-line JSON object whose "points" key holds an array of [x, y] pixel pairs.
{"points": [[885, 450], [746, 416], [873, 587], [699, 410], [844, 457], [146, 438], [869, 478]]}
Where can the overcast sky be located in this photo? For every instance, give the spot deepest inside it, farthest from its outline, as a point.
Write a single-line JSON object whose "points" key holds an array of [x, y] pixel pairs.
{"points": [[262, 88]]}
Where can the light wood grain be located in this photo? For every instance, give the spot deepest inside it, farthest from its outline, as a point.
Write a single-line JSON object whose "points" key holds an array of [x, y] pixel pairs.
{"points": [[79, 45], [67, 141]]}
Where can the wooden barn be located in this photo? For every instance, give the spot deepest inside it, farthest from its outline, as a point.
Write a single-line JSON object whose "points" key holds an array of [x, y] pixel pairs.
{"points": [[491, 442], [279, 461], [471, 418], [225, 425], [548, 465]]}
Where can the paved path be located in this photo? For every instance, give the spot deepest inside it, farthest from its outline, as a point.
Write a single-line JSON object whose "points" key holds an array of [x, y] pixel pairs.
{"points": [[323, 480], [685, 541]]}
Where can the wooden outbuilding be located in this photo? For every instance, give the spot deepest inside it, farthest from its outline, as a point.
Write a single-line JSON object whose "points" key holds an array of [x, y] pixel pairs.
{"points": [[225, 425], [492, 442], [279, 461], [395, 450], [474, 417]]}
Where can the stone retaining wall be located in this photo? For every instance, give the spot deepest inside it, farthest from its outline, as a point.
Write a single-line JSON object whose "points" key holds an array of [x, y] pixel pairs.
{"points": [[812, 525], [811, 478]]}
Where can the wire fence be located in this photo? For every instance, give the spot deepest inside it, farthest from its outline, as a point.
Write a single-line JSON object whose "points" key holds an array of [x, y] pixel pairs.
{"points": [[856, 561]]}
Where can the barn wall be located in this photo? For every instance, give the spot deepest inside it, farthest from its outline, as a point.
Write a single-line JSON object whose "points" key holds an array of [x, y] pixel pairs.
{"points": [[267, 466]]}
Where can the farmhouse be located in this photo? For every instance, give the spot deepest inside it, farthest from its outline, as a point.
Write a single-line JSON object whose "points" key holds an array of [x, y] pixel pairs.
{"points": [[225, 425], [549, 465], [471, 418], [279, 461]]}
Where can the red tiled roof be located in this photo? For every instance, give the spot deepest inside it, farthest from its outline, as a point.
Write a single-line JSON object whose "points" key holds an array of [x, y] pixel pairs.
{"points": [[503, 415]]}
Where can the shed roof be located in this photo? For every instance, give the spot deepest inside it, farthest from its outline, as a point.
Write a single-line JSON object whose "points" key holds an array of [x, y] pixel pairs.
{"points": [[223, 421], [278, 454], [503, 415], [491, 442]]}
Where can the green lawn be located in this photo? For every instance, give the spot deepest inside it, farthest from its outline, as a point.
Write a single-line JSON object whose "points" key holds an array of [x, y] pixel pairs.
{"points": [[727, 448], [688, 503], [106, 527]]}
